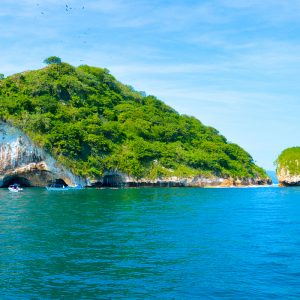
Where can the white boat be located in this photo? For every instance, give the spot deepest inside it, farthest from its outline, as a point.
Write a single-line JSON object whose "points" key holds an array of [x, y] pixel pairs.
{"points": [[15, 188]]}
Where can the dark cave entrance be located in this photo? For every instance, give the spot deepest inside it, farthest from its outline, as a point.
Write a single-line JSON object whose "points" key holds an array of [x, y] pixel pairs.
{"points": [[22, 181], [112, 181], [58, 182]]}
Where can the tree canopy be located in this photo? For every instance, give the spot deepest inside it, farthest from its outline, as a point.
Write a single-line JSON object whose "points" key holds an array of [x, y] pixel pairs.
{"points": [[91, 123], [52, 60]]}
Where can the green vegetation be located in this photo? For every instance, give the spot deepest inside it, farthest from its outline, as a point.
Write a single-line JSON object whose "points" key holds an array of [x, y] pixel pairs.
{"points": [[52, 60], [289, 159], [90, 122]]}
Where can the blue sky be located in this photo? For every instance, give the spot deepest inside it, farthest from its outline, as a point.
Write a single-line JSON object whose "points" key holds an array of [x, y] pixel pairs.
{"points": [[233, 64]]}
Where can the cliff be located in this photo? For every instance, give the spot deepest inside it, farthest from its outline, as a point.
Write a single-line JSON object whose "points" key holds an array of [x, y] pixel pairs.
{"points": [[23, 162], [82, 125], [288, 167]]}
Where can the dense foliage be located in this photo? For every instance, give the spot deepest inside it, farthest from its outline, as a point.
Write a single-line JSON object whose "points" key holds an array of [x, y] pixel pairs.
{"points": [[52, 60], [289, 159], [91, 123]]}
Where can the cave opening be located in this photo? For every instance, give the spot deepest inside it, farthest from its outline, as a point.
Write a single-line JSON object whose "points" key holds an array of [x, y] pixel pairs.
{"points": [[112, 181], [58, 182], [22, 181]]}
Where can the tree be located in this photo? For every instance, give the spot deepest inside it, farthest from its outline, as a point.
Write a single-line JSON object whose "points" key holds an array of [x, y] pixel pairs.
{"points": [[52, 60], [1, 76]]}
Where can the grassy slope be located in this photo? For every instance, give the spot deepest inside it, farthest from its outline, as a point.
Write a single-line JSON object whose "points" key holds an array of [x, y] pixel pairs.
{"points": [[289, 159], [91, 123]]}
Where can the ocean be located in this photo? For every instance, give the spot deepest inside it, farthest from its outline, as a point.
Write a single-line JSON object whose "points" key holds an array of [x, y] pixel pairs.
{"points": [[150, 243]]}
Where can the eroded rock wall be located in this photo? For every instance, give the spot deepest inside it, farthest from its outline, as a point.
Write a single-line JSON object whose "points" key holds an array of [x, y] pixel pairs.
{"points": [[21, 160], [116, 179], [287, 179]]}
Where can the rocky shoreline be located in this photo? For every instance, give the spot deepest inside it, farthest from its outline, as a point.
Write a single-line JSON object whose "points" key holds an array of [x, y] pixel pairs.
{"points": [[115, 179]]}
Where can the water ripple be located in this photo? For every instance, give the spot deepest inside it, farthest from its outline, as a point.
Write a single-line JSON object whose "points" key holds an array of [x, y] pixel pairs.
{"points": [[150, 243]]}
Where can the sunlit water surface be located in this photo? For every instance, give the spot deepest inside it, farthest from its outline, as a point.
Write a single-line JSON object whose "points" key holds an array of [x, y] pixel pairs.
{"points": [[167, 243]]}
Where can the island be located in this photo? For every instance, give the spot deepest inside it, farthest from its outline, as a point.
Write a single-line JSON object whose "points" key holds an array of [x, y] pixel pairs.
{"points": [[81, 126], [288, 167]]}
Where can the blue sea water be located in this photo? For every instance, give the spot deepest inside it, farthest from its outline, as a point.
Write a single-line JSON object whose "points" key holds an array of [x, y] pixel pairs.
{"points": [[151, 243]]}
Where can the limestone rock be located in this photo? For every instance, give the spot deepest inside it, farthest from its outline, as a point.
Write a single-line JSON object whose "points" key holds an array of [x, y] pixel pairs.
{"points": [[287, 179], [288, 167], [115, 178], [21, 161]]}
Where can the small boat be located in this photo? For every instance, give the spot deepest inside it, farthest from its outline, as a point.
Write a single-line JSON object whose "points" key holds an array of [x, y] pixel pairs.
{"points": [[15, 188], [57, 187]]}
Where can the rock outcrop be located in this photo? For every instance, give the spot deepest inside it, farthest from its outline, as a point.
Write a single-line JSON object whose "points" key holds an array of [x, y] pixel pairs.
{"points": [[23, 162], [285, 178], [120, 179], [288, 167]]}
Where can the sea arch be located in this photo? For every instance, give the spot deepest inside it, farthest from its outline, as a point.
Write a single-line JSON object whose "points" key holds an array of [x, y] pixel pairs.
{"points": [[12, 179]]}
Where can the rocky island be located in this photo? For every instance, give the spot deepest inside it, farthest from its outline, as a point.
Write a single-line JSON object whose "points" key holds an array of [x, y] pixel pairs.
{"points": [[288, 167], [82, 126]]}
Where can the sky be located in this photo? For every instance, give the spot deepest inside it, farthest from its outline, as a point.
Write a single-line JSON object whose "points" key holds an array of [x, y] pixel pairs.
{"points": [[233, 64]]}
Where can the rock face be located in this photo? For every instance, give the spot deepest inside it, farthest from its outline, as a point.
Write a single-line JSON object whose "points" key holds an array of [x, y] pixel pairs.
{"points": [[287, 179], [288, 167], [121, 179], [22, 162]]}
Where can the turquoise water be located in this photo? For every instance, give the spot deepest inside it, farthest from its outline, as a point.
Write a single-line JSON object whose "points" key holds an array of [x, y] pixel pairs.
{"points": [[168, 243]]}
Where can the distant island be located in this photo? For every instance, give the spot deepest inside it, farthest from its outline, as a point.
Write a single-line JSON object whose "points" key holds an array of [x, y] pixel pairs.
{"points": [[81, 125], [288, 167], [272, 174]]}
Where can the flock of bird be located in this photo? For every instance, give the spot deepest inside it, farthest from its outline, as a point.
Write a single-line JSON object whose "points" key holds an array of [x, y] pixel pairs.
{"points": [[68, 8]]}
